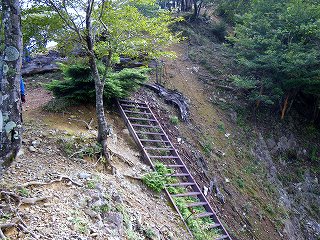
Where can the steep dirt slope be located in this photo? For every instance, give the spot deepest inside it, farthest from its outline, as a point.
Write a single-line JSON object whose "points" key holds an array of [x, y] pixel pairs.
{"points": [[216, 149], [95, 204]]}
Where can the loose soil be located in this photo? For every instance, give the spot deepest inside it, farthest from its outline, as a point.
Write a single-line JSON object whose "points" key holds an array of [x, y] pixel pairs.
{"points": [[67, 213]]}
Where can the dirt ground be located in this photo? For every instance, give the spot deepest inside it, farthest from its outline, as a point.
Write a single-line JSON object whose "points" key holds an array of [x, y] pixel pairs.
{"points": [[241, 213], [67, 209]]}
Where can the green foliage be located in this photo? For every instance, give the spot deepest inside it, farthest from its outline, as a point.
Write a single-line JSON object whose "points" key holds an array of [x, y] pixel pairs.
{"points": [[39, 26], [149, 233], [78, 85], [174, 120], [240, 182], [243, 82], [207, 145], [315, 155], [23, 192], [132, 30], [221, 127], [277, 44], [91, 184], [79, 147], [158, 179], [230, 9], [199, 226], [80, 223]]}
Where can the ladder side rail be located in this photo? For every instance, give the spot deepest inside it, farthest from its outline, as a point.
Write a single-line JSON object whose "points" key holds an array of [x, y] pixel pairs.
{"points": [[146, 156], [191, 179]]}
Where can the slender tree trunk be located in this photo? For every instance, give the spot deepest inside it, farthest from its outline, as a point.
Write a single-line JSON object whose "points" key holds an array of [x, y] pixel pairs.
{"points": [[182, 6], [284, 108], [195, 9], [99, 86], [188, 5], [102, 123], [10, 101]]}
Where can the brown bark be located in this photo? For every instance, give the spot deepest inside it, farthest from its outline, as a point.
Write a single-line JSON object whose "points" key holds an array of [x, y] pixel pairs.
{"points": [[10, 102], [99, 85], [284, 108]]}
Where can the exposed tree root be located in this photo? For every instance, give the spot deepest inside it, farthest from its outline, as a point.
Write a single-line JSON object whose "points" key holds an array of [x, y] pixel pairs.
{"points": [[88, 125], [60, 179], [17, 221], [174, 97]]}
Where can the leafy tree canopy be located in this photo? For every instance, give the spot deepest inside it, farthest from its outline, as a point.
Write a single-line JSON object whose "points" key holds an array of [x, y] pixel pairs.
{"points": [[278, 44], [39, 26]]}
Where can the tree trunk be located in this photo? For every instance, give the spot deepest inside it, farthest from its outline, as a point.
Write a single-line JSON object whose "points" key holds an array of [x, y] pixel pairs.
{"points": [[182, 6], [195, 9], [102, 123], [284, 108], [187, 5], [10, 98], [99, 86]]}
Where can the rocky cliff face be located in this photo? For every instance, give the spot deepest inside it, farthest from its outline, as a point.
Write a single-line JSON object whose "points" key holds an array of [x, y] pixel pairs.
{"points": [[300, 198]]}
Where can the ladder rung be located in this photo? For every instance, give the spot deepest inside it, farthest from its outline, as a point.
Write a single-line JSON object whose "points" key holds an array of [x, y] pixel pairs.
{"points": [[222, 237], [197, 204], [152, 140], [154, 148], [181, 184], [187, 194], [144, 126], [129, 101], [142, 119], [150, 133], [143, 113], [164, 157], [204, 214], [215, 225], [178, 175], [175, 166], [133, 106]]}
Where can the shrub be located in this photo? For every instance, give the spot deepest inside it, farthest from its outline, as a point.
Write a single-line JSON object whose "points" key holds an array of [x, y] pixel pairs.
{"points": [[78, 83], [174, 120], [158, 179]]}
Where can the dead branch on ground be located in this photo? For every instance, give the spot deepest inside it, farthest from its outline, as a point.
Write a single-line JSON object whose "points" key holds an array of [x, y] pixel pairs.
{"points": [[60, 179]]}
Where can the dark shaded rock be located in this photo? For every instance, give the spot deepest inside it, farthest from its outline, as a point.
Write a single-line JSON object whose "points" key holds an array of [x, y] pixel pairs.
{"points": [[42, 64]]}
